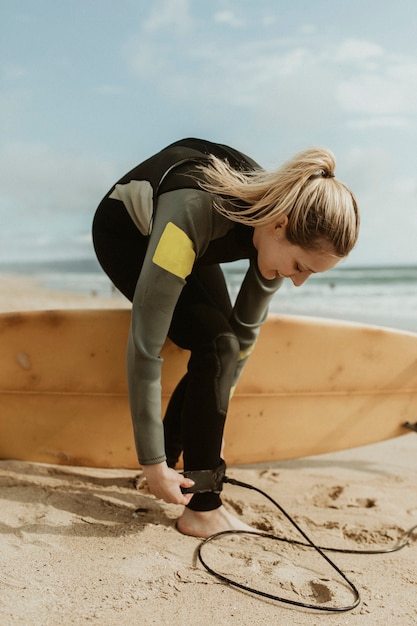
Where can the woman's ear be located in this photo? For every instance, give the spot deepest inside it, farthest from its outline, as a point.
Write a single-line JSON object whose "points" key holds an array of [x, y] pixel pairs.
{"points": [[282, 223], [279, 230]]}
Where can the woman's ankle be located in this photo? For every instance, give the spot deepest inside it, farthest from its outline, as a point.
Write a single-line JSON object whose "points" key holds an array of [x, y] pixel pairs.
{"points": [[206, 523]]}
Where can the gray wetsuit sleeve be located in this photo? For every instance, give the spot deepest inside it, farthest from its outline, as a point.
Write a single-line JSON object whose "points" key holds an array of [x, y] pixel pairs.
{"points": [[250, 311], [174, 243]]}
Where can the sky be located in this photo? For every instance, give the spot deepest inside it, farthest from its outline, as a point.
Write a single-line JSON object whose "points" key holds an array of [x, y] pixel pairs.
{"points": [[89, 88]]}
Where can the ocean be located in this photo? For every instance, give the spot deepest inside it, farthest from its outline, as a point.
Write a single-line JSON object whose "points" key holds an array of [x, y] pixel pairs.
{"points": [[385, 296]]}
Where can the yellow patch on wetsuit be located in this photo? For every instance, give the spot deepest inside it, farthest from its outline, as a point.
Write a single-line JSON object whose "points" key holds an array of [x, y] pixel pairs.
{"points": [[244, 353], [175, 251]]}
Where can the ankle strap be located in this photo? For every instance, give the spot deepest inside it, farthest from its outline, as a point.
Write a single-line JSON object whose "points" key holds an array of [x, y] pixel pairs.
{"points": [[206, 480]]}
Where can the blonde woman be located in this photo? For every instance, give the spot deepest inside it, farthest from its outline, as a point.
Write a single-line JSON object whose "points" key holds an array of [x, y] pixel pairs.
{"points": [[161, 234]]}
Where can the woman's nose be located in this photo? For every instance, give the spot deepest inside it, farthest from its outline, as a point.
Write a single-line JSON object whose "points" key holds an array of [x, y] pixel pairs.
{"points": [[300, 278]]}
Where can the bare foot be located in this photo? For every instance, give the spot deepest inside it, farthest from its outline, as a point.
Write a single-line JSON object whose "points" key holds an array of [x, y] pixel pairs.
{"points": [[206, 523]]}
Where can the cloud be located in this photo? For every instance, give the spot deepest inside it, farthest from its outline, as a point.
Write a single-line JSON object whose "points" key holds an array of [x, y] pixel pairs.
{"points": [[37, 178], [378, 122], [48, 200], [387, 199], [292, 77], [383, 94], [13, 104], [357, 51], [168, 15], [230, 18], [376, 82], [13, 71], [220, 70]]}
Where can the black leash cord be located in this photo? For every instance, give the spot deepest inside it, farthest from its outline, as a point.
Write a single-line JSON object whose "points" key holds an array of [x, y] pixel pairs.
{"points": [[309, 544]]}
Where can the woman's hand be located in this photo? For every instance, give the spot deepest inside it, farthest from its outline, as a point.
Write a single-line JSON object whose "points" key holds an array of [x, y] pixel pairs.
{"points": [[165, 483]]}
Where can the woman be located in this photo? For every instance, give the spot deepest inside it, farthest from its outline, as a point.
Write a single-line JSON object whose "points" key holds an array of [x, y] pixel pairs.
{"points": [[160, 234]]}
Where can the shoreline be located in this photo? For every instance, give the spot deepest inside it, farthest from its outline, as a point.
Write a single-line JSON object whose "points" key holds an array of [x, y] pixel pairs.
{"points": [[26, 293]]}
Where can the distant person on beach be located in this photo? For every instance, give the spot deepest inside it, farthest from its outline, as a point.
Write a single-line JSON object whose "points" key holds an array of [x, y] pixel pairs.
{"points": [[161, 234]]}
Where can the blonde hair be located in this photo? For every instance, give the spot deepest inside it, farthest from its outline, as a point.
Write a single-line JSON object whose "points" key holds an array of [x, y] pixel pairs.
{"points": [[320, 209]]}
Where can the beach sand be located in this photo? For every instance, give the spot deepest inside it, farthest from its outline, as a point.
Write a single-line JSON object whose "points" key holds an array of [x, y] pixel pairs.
{"points": [[86, 546]]}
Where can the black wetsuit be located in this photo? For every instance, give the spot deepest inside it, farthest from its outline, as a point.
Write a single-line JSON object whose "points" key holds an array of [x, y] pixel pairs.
{"points": [[160, 240]]}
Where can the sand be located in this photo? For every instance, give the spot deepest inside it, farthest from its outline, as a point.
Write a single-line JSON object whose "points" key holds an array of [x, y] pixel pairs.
{"points": [[86, 546]]}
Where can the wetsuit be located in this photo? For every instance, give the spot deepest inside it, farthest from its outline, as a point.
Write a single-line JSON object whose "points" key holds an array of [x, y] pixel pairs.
{"points": [[158, 237]]}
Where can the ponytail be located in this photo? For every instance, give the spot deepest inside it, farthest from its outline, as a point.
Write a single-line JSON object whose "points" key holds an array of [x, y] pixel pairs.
{"points": [[319, 207]]}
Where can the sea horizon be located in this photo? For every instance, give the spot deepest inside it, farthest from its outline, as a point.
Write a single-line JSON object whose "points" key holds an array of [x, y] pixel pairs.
{"points": [[384, 295], [90, 263]]}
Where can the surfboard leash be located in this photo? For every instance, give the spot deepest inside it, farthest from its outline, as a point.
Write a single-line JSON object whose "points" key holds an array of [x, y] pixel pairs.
{"points": [[215, 479]]}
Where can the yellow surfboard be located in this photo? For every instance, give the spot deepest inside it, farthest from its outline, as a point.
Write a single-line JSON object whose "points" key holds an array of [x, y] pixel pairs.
{"points": [[311, 386]]}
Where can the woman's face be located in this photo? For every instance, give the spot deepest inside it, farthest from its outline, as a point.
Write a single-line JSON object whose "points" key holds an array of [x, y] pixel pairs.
{"points": [[277, 257]]}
